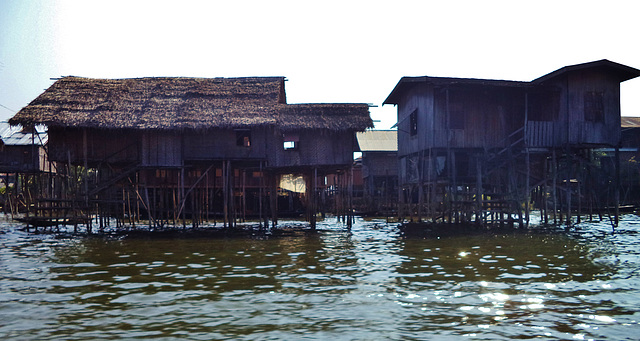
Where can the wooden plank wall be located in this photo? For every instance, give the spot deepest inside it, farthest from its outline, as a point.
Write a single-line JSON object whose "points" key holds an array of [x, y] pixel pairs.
{"points": [[116, 146], [221, 144], [161, 149], [315, 148]]}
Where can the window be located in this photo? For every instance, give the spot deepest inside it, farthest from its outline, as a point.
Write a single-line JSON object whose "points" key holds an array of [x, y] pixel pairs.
{"points": [[291, 141], [243, 138], [413, 123], [593, 106]]}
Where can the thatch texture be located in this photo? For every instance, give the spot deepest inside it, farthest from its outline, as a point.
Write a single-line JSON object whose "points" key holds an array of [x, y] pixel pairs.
{"points": [[183, 103], [324, 116]]}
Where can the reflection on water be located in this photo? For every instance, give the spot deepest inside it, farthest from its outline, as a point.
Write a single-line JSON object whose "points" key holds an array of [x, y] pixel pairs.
{"points": [[370, 283]]}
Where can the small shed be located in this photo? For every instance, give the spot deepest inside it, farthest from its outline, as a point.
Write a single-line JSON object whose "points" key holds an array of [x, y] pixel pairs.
{"points": [[23, 150], [379, 162]]}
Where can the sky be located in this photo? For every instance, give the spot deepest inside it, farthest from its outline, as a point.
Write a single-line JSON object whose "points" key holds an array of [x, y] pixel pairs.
{"points": [[329, 51]]}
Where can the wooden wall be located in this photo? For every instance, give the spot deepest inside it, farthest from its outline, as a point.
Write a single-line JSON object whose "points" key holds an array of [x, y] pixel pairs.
{"points": [[418, 99], [23, 158], [114, 146], [573, 125], [161, 149], [314, 148], [473, 117], [379, 164], [224, 144]]}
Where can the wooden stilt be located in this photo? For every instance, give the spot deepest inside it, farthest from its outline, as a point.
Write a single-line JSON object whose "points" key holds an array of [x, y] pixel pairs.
{"points": [[616, 195]]}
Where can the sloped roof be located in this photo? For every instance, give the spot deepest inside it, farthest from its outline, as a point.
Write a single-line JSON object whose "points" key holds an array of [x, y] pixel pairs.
{"points": [[378, 140], [623, 72], [407, 82], [182, 103], [14, 136]]}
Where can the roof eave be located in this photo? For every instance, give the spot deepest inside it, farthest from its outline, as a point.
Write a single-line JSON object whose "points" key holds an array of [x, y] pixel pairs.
{"points": [[625, 72]]}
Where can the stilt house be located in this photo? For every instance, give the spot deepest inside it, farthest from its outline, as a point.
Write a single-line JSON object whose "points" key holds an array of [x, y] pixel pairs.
{"points": [[482, 150], [379, 169], [22, 150], [167, 149]]}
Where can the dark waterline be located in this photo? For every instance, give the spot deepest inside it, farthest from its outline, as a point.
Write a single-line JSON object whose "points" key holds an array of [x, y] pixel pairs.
{"points": [[370, 283]]}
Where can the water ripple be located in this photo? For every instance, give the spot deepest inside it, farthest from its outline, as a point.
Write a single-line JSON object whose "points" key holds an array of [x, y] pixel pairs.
{"points": [[367, 283]]}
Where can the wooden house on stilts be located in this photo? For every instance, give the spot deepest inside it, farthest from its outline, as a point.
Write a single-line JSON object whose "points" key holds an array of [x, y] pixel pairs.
{"points": [[487, 151], [178, 151], [24, 167]]}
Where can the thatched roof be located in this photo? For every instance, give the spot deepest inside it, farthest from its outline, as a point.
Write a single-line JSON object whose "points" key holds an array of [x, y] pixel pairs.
{"points": [[324, 116], [183, 103]]}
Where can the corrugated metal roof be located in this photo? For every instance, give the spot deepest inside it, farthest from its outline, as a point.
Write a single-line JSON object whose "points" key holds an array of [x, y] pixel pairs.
{"points": [[7, 130], [14, 136], [378, 141], [630, 122]]}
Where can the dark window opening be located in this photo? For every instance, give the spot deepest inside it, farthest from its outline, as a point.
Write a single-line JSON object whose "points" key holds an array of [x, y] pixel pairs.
{"points": [[243, 138], [413, 123], [593, 106]]}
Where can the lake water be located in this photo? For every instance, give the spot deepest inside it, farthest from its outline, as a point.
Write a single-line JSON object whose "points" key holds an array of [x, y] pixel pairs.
{"points": [[370, 283]]}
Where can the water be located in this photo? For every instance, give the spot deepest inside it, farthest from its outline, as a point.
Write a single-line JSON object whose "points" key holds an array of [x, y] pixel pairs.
{"points": [[368, 284]]}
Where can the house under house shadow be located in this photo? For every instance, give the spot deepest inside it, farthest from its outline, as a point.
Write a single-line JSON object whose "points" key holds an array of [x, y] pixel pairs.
{"points": [[185, 151]]}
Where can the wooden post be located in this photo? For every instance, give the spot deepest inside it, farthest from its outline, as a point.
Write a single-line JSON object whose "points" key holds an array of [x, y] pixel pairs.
{"points": [[479, 191], [260, 199], [350, 218], [274, 199], [230, 193], [545, 174], [579, 184], [420, 184], [244, 195], [225, 195], [554, 185], [311, 198], [616, 195], [85, 156], [182, 198], [568, 182]]}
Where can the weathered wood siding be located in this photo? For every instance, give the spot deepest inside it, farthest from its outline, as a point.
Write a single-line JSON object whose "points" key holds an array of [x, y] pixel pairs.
{"points": [[540, 134], [314, 148], [572, 126], [114, 146], [23, 158], [379, 164], [161, 149], [478, 117], [458, 117], [222, 144], [419, 99]]}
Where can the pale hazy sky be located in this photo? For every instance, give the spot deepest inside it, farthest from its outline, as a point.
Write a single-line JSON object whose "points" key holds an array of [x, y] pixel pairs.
{"points": [[330, 51]]}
